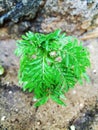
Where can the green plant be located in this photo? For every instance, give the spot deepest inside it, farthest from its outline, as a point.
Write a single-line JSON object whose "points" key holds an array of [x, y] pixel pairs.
{"points": [[1, 70], [51, 64]]}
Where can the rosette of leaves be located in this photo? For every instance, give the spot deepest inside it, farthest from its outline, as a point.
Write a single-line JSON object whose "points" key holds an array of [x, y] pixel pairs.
{"points": [[51, 64]]}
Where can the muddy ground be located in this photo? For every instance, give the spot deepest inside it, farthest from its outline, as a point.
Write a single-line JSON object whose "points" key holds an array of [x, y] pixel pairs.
{"points": [[16, 107]]}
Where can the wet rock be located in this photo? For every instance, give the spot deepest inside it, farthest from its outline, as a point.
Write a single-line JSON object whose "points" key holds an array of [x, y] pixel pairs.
{"points": [[17, 9], [24, 26]]}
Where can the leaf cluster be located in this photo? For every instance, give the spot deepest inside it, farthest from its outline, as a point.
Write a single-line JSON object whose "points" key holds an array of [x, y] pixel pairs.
{"points": [[51, 64]]}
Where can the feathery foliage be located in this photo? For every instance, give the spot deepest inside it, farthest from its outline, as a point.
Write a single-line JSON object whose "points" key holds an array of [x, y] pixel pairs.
{"points": [[51, 64]]}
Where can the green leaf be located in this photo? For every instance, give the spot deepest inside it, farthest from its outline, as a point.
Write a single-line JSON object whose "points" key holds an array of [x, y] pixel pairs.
{"points": [[86, 77], [42, 101], [67, 60], [63, 96], [1, 70], [80, 81], [57, 100]]}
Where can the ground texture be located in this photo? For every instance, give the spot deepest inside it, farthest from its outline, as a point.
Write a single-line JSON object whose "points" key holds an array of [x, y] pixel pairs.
{"points": [[16, 107]]}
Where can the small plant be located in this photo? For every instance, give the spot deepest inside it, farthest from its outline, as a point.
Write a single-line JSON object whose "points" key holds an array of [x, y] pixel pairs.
{"points": [[1, 70], [51, 64]]}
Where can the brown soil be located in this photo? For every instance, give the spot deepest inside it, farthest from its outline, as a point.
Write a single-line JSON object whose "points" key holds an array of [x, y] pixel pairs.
{"points": [[16, 107]]}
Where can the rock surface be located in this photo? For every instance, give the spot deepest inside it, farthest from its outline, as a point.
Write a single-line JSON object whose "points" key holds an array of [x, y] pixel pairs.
{"points": [[74, 17], [71, 16], [17, 9]]}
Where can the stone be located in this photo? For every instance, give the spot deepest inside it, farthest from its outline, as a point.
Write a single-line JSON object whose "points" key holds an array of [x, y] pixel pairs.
{"points": [[85, 24], [10, 92], [3, 118], [81, 105], [94, 71], [17, 9], [73, 17], [23, 26], [72, 127]]}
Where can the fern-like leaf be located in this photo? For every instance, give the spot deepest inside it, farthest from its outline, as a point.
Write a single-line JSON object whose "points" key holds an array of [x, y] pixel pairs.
{"points": [[51, 64]]}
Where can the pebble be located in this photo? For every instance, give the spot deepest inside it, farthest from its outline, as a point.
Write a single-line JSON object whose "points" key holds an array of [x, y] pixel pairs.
{"points": [[10, 92], [39, 123], [94, 71], [72, 127], [16, 110], [81, 105], [3, 118], [74, 92]]}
